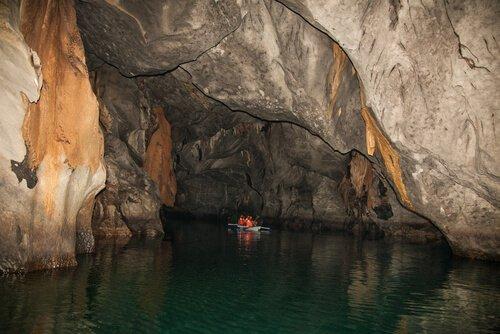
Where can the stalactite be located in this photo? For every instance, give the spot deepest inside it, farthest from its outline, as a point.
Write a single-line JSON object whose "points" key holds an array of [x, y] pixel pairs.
{"points": [[336, 72], [158, 163], [62, 135], [375, 138], [65, 120]]}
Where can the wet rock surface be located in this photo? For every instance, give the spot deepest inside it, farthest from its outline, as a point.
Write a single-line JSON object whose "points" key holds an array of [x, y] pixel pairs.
{"points": [[18, 78], [131, 202], [268, 115], [428, 72], [227, 163], [154, 36], [66, 154], [51, 166], [158, 162]]}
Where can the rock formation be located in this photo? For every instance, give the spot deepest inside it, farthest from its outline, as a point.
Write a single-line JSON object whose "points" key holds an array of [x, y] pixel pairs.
{"points": [[158, 162], [51, 163], [229, 162], [372, 117], [154, 36], [429, 82], [21, 84], [137, 153], [429, 71]]}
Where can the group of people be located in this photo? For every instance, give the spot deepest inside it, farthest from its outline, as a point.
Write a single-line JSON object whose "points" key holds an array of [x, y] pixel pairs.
{"points": [[247, 221]]}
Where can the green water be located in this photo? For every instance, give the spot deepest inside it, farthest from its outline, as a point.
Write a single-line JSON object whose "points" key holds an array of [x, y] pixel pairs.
{"points": [[210, 281]]}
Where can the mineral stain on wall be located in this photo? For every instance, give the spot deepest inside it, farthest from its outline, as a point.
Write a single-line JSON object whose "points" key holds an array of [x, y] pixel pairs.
{"points": [[61, 131], [375, 139], [158, 162], [65, 119], [336, 73]]}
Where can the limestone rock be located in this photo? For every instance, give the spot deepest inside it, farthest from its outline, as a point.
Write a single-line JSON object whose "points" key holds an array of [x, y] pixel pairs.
{"points": [[131, 202], [158, 162], [430, 74], [410, 85], [228, 163], [62, 165], [278, 67], [18, 78], [156, 35]]}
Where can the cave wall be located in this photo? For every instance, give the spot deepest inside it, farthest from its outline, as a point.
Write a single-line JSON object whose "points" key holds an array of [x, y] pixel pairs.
{"points": [[51, 166], [20, 85], [154, 36], [137, 153], [228, 163], [158, 162], [414, 92], [428, 74], [215, 150], [429, 71]]}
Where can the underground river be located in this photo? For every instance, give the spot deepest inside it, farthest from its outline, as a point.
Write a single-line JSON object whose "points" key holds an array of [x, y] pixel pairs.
{"points": [[211, 280]]}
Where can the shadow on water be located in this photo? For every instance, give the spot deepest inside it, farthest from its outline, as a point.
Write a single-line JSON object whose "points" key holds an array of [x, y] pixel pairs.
{"points": [[209, 280]]}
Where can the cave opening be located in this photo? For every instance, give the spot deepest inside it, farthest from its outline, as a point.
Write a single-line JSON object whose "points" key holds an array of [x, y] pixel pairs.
{"points": [[242, 145], [143, 131], [227, 162]]}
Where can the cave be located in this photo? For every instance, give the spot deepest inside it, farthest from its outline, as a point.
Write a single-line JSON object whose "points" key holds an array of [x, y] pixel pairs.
{"points": [[359, 137]]}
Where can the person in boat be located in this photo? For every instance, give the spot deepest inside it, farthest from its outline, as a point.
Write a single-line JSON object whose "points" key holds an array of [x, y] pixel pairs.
{"points": [[246, 221]]}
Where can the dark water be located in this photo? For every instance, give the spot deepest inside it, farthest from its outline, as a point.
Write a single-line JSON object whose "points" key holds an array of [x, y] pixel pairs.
{"points": [[209, 281]]}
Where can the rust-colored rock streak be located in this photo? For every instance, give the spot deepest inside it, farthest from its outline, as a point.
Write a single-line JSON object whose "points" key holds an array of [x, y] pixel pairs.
{"points": [[158, 163], [61, 130], [359, 186], [65, 121], [376, 139], [361, 172], [336, 72]]}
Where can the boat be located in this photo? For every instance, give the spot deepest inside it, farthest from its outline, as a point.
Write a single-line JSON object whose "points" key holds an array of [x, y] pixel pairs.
{"points": [[248, 224], [241, 228]]}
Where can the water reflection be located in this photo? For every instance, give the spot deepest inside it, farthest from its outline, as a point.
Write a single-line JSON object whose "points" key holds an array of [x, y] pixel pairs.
{"points": [[210, 280], [124, 280]]}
